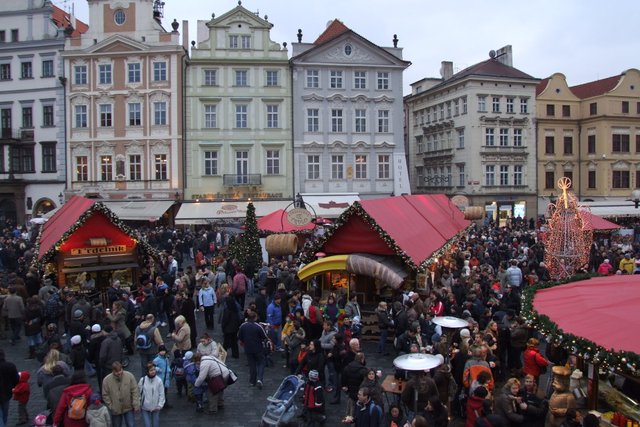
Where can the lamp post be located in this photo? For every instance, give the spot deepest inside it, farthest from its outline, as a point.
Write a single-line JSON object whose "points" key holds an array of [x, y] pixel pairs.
{"points": [[61, 198], [635, 196]]}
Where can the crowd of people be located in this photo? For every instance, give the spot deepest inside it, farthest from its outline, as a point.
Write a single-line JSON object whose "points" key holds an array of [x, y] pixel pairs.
{"points": [[79, 333]]}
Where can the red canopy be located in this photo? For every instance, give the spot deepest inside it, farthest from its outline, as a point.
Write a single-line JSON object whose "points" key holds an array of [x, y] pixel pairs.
{"points": [[276, 222], [419, 225], [61, 221], [595, 222], [603, 310]]}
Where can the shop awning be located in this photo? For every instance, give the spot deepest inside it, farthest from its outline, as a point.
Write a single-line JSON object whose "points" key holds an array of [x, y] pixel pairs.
{"points": [[139, 210], [208, 212], [603, 310], [615, 211], [595, 222], [330, 205]]}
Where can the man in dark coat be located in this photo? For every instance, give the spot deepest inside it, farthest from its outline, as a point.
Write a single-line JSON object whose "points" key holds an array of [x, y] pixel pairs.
{"points": [[251, 336], [8, 380], [187, 309]]}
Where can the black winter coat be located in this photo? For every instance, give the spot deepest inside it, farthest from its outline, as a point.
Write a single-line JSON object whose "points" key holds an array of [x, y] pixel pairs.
{"points": [[352, 376]]}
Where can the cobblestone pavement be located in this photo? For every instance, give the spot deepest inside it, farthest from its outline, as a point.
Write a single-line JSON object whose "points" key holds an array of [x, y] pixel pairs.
{"points": [[244, 404]]}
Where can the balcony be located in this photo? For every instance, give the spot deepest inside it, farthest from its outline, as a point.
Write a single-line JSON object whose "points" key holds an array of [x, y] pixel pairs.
{"points": [[241, 180]]}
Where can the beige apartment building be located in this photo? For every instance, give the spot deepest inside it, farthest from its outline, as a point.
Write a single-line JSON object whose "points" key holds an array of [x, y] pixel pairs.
{"points": [[591, 134], [124, 80]]}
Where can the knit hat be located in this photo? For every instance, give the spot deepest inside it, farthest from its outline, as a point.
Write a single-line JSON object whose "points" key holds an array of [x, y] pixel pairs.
{"points": [[75, 340], [96, 328], [464, 333], [188, 355], [77, 314], [95, 398], [313, 375]]}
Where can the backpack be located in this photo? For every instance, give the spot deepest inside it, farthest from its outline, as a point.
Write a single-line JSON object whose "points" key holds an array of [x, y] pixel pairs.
{"points": [[375, 407], [77, 408], [144, 340], [178, 369]]}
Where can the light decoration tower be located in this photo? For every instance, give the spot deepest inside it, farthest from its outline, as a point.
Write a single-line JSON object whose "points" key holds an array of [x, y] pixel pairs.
{"points": [[567, 243]]}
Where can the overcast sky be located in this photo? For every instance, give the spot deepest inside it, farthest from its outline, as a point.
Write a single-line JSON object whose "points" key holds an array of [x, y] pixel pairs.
{"points": [[585, 40]]}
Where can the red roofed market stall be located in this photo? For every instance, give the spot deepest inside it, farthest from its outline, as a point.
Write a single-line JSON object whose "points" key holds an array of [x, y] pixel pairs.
{"points": [[85, 237]]}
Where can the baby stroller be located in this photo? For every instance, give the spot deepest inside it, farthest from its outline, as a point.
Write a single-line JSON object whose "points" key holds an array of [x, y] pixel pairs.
{"points": [[281, 410]]}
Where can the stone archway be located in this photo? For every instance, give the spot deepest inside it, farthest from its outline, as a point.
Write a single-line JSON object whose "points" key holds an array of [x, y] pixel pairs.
{"points": [[8, 211], [42, 206]]}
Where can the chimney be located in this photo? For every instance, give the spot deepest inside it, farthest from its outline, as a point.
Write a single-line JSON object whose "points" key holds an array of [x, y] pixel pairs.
{"points": [[185, 35], [446, 70], [505, 56]]}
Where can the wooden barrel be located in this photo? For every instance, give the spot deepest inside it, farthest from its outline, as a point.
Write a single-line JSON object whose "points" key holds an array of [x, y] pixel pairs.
{"points": [[281, 244], [474, 212]]}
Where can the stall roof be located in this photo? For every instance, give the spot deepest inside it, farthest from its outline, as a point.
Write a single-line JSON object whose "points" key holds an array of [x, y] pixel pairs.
{"points": [[61, 221], [206, 212], [330, 205], [595, 222], [139, 210], [277, 222], [613, 211], [413, 227]]}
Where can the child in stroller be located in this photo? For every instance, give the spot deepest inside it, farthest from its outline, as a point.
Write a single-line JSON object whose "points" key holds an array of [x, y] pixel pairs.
{"points": [[281, 409]]}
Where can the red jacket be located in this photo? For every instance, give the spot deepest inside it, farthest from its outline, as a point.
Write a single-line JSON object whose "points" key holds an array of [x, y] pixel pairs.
{"points": [[475, 410], [60, 416], [22, 391], [534, 361]]}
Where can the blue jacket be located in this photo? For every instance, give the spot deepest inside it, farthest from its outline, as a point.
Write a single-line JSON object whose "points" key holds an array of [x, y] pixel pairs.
{"points": [[163, 370], [207, 297], [274, 314], [251, 335]]}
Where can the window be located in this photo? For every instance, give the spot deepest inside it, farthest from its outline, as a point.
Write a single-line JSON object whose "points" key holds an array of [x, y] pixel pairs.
{"points": [[591, 144], [159, 71], [335, 79], [568, 145], [22, 159], [5, 71], [104, 74], [313, 78], [241, 77], [384, 166], [620, 179], [524, 105], [5, 117], [135, 167], [210, 77], [489, 137], [482, 104], [504, 137], [361, 166], [592, 179], [313, 167], [106, 168], [441, 111], [80, 116], [336, 120], [47, 115], [464, 105], [361, 120], [504, 175], [160, 113], [27, 117], [82, 168], [549, 180], [47, 68], [517, 137], [460, 138], [489, 175], [119, 17], [272, 117], [135, 114], [160, 164], [383, 80], [233, 42], [517, 175], [448, 110], [313, 119], [549, 145], [510, 105], [566, 111], [383, 121], [211, 163], [359, 79], [456, 107], [625, 107], [3, 39], [80, 74], [272, 78], [551, 110], [593, 108], [337, 166], [620, 143], [210, 116], [105, 115], [134, 73], [495, 105], [48, 157], [273, 162], [637, 143], [26, 70], [14, 36], [242, 167], [241, 116], [246, 42], [461, 175]]}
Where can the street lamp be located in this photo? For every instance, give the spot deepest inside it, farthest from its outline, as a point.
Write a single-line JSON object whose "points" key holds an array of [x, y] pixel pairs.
{"points": [[61, 198], [635, 196]]}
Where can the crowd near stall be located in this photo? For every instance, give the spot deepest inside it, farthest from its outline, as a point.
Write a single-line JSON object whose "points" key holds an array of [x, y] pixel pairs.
{"points": [[470, 322]]}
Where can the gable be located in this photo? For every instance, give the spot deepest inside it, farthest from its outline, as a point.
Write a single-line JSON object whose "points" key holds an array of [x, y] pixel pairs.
{"points": [[96, 227], [117, 43], [356, 236], [117, 47], [240, 15]]}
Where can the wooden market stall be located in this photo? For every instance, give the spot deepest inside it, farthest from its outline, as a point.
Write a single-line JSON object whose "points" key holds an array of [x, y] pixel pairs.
{"points": [[85, 237]]}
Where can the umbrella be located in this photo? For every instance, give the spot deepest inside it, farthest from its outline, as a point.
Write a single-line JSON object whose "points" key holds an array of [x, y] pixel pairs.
{"points": [[417, 362], [450, 322], [38, 220]]}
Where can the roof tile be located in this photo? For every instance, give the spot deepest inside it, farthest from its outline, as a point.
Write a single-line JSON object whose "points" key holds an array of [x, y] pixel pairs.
{"points": [[595, 88], [333, 30]]}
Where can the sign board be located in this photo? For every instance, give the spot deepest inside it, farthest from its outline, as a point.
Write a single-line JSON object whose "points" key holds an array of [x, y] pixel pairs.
{"points": [[299, 217], [99, 250], [460, 201]]}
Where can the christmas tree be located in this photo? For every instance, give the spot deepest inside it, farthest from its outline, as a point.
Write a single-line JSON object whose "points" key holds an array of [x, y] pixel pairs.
{"points": [[246, 249]]}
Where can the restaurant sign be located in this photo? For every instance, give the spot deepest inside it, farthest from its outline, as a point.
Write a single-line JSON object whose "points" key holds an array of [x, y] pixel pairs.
{"points": [[99, 250]]}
